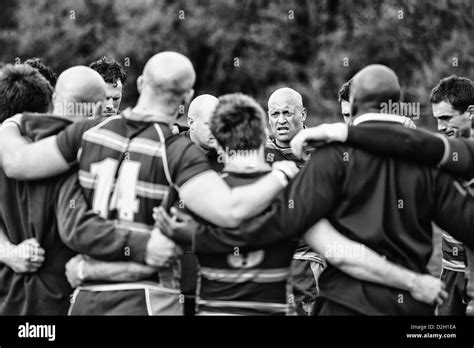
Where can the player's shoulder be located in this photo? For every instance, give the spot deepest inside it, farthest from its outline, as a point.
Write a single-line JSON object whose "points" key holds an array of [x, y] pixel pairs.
{"points": [[82, 125], [332, 150]]}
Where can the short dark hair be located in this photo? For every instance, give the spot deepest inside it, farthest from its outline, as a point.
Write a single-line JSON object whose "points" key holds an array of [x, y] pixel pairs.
{"points": [[110, 70], [23, 89], [344, 92], [457, 91], [44, 69], [238, 122]]}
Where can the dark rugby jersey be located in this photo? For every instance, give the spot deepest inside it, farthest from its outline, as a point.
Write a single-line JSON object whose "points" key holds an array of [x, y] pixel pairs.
{"points": [[423, 147], [27, 210], [122, 171], [245, 283]]}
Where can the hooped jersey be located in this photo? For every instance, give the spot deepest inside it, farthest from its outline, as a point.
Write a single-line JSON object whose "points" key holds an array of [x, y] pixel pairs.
{"points": [[246, 283]]}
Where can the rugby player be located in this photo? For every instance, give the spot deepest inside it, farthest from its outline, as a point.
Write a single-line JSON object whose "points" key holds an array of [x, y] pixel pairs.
{"points": [[199, 114], [44, 70], [21, 88], [386, 204], [115, 77], [78, 90], [138, 154], [343, 100], [451, 100], [286, 116]]}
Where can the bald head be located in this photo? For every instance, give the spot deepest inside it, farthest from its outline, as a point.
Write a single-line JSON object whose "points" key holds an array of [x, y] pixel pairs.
{"points": [[200, 112], [81, 84], [372, 86], [202, 107], [286, 115], [80, 91], [170, 71], [285, 96]]}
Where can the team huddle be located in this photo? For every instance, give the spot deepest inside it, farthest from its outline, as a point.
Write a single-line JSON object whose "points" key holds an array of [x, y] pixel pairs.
{"points": [[242, 211]]}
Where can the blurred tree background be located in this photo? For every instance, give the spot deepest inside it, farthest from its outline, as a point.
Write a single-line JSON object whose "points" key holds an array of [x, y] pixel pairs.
{"points": [[254, 46]]}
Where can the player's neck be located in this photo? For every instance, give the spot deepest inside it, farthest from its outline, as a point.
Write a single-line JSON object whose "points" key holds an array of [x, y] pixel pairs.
{"points": [[152, 112], [244, 161], [282, 143]]}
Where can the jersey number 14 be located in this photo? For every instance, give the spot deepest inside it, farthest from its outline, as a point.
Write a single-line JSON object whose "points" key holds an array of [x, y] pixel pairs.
{"points": [[120, 193]]}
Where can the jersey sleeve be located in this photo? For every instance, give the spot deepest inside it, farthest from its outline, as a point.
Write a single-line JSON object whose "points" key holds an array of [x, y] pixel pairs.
{"points": [[185, 160], [459, 159], [309, 197], [69, 140], [394, 140], [84, 231], [455, 156]]}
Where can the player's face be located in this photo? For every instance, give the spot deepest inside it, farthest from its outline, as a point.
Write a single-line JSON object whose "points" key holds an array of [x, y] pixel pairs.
{"points": [[285, 120], [113, 99], [450, 120], [203, 133], [346, 111]]}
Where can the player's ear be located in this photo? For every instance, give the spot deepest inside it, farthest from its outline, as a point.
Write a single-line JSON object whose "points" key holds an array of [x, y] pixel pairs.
{"points": [[470, 112], [191, 122], [97, 112], [54, 100], [140, 84], [353, 106], [189, 96], [303, 115]]}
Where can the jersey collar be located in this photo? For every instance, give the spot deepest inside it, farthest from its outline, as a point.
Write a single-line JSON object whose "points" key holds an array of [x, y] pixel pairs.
{"points": [[373, 116]]}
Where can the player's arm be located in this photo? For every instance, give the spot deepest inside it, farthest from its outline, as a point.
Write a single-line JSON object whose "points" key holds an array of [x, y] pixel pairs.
{"points": [[23, 160], [84, 231], [80, 269], [205, 193], [208, 196], [308, 197], [363, 263], [453, 155]]}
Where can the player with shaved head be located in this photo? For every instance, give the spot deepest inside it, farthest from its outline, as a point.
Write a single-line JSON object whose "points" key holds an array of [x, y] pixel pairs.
{"points": [[383, 203], [127, 165], [199, 115], [286, 116]]}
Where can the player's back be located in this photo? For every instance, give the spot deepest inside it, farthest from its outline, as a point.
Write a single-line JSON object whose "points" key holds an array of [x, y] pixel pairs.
{"points": [[27, 211], [246, 283], [123, 176], [387, 205], [122, 172]]}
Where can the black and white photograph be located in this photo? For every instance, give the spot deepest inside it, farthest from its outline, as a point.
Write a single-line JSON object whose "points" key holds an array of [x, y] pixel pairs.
{"points": [[236, 172]]}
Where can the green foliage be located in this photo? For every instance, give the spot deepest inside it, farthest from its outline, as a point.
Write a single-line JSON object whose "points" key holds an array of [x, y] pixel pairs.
{"points": [[254, 46]]}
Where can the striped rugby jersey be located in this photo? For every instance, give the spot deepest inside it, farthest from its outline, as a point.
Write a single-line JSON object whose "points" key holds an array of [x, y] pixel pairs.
{"points": [[274, 153], [122, 173], [454, 253], [246, 283]]}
